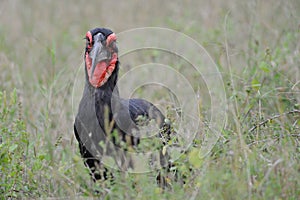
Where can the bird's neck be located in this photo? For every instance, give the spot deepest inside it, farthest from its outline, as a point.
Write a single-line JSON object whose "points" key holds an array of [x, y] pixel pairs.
{"points": [[106, 92]]}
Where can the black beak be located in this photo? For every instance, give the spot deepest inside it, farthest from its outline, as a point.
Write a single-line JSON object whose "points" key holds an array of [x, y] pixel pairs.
{"points": [[99, 52]]}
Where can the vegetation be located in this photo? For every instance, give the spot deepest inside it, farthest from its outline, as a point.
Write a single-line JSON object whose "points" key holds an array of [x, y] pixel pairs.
{"points": [[255, 46]]}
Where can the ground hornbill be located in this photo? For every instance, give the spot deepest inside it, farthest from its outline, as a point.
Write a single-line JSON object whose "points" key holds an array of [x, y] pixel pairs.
{"points": [[106, 124]]}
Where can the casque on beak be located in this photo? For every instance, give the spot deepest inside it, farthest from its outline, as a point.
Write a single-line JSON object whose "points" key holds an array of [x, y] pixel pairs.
{"points": [[98, 52]]}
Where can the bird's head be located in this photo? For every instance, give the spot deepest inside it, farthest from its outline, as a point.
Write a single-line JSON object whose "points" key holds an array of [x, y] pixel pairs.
{"points": [[101, 55]]}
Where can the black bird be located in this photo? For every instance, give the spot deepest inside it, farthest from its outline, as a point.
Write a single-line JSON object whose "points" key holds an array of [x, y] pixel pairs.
{"points": [[105, 121]]}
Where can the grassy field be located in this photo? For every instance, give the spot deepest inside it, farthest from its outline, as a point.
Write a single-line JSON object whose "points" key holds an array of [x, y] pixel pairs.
{"points": [[255, 46]]}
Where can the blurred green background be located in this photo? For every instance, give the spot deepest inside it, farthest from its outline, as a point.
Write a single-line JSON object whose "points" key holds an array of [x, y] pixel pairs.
{"points": [[255, 45]]}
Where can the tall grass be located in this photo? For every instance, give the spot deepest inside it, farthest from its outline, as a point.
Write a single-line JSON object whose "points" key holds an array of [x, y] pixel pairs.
{"points": [[256, 47]]}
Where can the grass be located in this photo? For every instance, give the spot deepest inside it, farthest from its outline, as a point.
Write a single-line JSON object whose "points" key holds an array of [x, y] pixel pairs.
{"points": [[256, 49]]}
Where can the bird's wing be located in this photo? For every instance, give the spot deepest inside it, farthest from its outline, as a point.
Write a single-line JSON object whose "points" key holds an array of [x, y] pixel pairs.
{"points": [[131, 112], [140, 109]]}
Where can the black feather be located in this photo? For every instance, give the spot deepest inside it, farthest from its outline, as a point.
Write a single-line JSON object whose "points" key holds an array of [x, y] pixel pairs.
{"points": [[101, 111]]}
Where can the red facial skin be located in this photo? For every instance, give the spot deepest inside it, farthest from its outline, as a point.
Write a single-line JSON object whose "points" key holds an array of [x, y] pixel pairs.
{"points": [[103, 69]]}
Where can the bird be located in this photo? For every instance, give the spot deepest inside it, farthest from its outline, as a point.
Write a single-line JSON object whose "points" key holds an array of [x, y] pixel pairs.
{"points": [[105, 121]]}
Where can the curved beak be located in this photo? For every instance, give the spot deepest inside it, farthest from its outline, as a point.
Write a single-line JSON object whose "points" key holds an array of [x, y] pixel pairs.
{"points": [[98, 53], [94, 55]]}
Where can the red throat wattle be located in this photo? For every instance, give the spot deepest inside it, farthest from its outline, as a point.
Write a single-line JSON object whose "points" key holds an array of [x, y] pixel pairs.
{"points": [[102, 71]]}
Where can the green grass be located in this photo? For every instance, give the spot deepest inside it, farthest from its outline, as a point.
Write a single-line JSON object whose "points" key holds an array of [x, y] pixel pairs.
{"points": [[255, 46]]}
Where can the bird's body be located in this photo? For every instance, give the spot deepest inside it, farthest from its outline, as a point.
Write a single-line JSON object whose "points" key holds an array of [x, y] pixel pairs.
{"points": [[103, 112]]}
